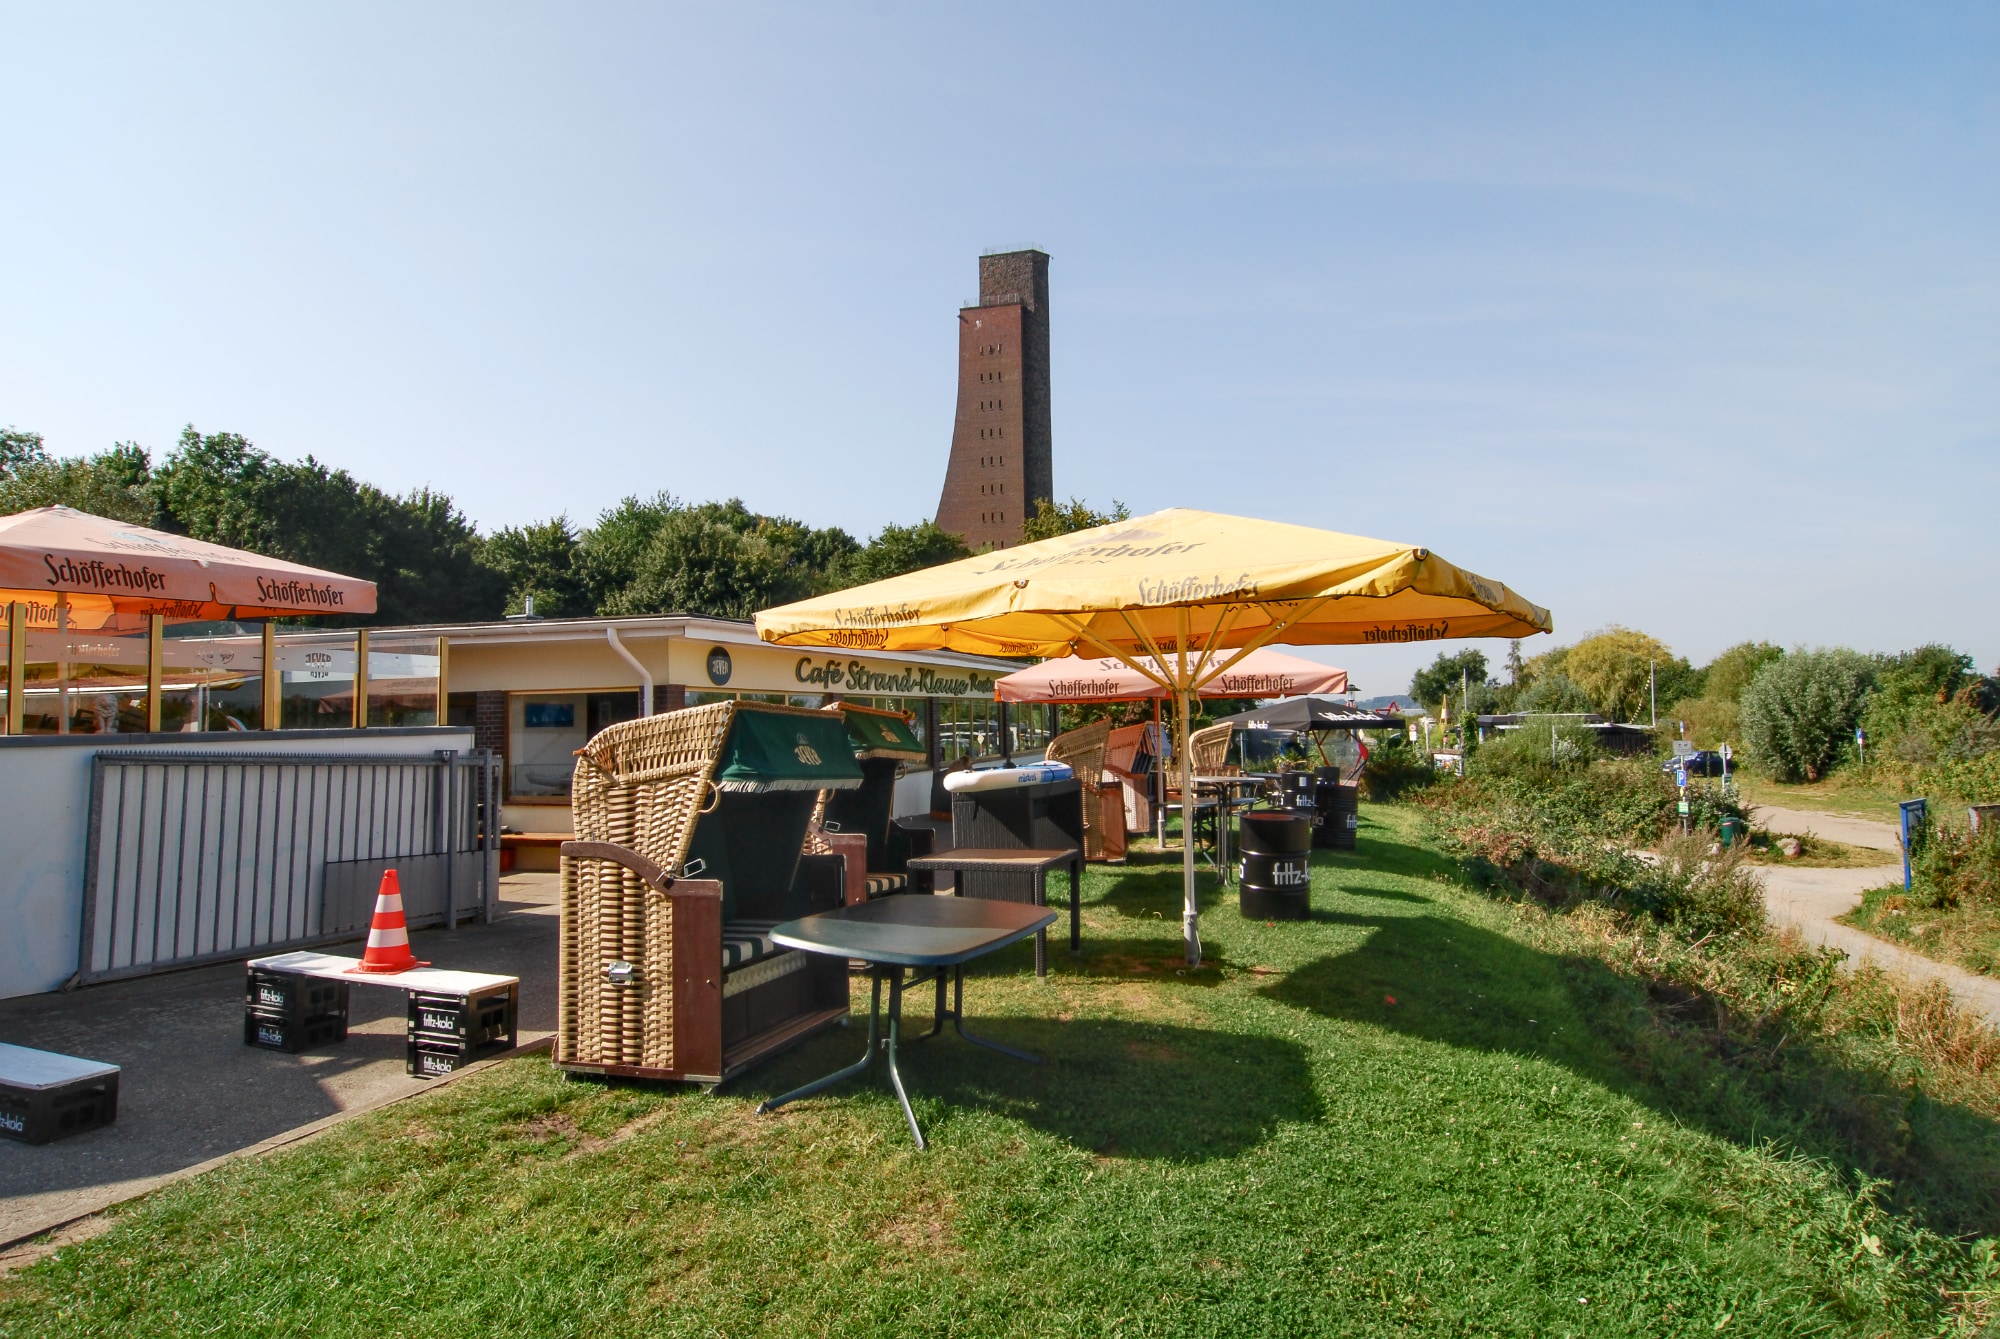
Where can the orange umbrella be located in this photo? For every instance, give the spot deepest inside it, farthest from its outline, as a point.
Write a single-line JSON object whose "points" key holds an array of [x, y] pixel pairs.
{"points": [[1265, 672], [104, 567]]}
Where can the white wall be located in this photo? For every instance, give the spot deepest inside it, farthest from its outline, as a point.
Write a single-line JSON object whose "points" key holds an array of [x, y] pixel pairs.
{"points": [[45, 810]]}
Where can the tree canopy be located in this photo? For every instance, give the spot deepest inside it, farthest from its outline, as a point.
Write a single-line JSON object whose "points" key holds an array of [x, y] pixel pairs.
{"points": [[655, 555]]}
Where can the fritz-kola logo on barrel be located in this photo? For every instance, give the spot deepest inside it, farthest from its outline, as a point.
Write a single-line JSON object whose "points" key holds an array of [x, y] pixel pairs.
{"points": [[805, 752]]}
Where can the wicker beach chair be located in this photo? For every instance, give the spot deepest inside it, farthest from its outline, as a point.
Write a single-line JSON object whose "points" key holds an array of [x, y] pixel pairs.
{"points": [[884, 746], [1083, 749], [690, 829]]}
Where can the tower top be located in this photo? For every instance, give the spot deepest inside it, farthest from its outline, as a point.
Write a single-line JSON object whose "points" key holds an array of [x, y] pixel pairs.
{"points": [[1008, 277]]}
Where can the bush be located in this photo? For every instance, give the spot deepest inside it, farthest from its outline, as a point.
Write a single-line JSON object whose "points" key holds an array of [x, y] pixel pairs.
{"points": [[1699, 891], [1800, 711], [1955, 866], [1540, 745], [1395, 767]]}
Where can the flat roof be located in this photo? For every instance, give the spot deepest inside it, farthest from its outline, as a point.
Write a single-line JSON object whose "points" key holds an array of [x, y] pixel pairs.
{"points": [[730, 631]]}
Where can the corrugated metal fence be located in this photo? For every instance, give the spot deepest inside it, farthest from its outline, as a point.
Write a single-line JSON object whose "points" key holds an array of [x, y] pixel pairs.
{"points": [[198, 858]]}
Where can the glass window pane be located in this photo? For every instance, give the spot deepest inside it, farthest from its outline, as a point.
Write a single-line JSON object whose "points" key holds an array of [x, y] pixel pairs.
{"points": [[402, 681], [86, 680], [316, 678], [544, 730], [211, 677], [701, 697]]}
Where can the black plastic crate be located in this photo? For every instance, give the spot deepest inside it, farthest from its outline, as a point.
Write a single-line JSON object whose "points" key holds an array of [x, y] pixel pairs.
{"points": [[482, 1018], [293, 995], [46, 1096], [431, 1057], [275, 1032]]}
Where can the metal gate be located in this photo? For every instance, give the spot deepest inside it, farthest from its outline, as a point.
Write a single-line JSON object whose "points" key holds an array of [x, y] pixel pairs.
{"points": [[204, 857]]}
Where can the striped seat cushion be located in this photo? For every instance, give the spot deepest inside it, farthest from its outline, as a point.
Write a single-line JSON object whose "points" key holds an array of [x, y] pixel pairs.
{"points": [[745, 942], [881, 885]]}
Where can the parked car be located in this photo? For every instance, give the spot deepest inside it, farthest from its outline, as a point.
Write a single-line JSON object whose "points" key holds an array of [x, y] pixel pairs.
{"points": [[1702, 762]]}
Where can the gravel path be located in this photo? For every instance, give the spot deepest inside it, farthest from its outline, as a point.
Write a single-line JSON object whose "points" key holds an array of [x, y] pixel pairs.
{"points": [[1810, 899]]}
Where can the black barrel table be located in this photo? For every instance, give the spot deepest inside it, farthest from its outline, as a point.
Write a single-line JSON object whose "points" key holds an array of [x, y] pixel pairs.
{"points": [[1276, 882], [934, 937]]}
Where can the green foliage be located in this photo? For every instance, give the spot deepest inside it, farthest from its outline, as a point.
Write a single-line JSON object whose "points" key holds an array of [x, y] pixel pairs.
{"points": [[1539, 746], [663, 557], [18, 448], [419, 550], [539, 560], [1553, 691], [1955, 866], [107, 484], [1396, 767], [1614, 668], [1799, 711], [1447, 677], [897, 549], [1049, 519], [1731, 672]]}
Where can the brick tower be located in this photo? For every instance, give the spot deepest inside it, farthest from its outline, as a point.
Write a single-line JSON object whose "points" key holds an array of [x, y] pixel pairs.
{"points": [[1001, 460]]}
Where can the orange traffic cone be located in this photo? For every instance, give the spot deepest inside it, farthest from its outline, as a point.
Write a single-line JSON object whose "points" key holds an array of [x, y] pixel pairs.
{"points": [[388, 934]]}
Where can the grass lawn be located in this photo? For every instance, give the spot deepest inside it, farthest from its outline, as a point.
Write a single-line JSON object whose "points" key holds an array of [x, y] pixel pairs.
{"points": [[1815, 852], [1968, 934], [1419, 1112], [1844, 792]]}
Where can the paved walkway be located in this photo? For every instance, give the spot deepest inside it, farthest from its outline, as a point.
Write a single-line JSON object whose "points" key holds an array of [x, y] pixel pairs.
{"points": [[193, 1093], [1811, 899]]}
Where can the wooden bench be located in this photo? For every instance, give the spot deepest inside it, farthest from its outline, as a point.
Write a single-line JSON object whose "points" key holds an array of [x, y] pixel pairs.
{"points": [[525, 851]]}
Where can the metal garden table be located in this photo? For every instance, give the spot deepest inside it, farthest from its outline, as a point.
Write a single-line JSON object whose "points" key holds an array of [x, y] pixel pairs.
{"points": [[1013, 860], [935, 937]]}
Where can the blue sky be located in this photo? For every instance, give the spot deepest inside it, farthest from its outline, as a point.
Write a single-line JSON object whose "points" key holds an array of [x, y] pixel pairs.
{"points": [[1683, 317]]}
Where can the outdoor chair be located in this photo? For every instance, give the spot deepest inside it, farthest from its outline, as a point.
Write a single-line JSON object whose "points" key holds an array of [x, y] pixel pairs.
{"points": [[1131, 758], [690, 835], [1083, 749], [884, 746], [1208, 749]]}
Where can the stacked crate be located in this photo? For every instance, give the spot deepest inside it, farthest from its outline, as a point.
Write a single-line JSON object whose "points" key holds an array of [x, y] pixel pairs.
{"points": [[447, 1031], [45, 1096], [291, 1012]]}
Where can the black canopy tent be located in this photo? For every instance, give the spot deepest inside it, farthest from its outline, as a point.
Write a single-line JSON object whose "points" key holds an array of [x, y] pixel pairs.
{"points": [[1306, 715]]}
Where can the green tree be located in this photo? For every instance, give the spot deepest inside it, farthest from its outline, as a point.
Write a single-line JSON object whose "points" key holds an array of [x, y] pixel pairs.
{"points": [[1731, 672], [18, 448], [897, 549], [419, 550], [540, 560], [112, 483], [1553, 692], [1049, 519], [1447, 677], [1614, 669], [1799, 711]]}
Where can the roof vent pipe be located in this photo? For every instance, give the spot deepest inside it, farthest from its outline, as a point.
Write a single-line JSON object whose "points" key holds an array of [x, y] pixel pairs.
{"points": [[645, 678]]}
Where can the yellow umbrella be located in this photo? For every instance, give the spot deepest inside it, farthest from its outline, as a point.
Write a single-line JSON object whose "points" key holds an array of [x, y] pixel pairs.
{"points": [[1191, 590]]}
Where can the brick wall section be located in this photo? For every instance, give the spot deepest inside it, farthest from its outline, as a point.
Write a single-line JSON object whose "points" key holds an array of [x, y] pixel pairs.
{"points": [[1001, 457], [668, 697], [489, 726]]}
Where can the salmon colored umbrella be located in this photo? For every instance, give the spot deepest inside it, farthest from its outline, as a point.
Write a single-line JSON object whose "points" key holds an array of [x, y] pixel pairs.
{"points": [[104, 567], [1265, 672], [1192, 590]]}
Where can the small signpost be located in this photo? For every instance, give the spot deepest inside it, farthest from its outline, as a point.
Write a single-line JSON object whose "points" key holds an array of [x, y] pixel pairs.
{"points": [[1683, 748], [1681, 780], [1861, 744], [1727, 754], [1914, 812]]}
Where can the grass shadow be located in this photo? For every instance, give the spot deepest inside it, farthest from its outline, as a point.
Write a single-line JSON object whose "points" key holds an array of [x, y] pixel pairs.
{"points": [[1111, 1087], [1659, 1043]]}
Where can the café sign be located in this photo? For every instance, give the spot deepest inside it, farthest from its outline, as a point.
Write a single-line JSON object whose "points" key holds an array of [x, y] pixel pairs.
{"points": [[835, 674]]}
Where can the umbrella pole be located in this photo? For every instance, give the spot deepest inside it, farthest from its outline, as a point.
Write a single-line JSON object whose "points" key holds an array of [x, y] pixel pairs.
{"points": [[1190, 905]]}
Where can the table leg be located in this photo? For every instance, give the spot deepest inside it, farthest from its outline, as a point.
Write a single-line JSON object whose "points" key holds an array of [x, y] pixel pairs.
{"points": [[958, 1020], [895, 1076], [859, 1066]]}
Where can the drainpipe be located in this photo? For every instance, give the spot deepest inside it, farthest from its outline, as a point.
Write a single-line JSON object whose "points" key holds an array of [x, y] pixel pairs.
{"points": [[645, 678]]}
